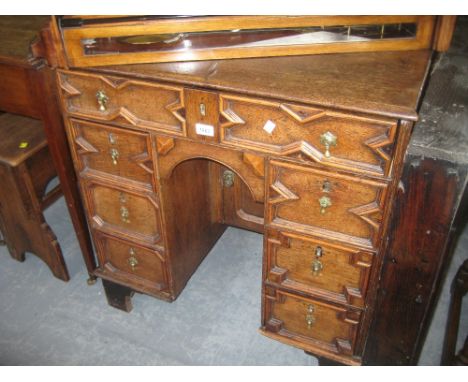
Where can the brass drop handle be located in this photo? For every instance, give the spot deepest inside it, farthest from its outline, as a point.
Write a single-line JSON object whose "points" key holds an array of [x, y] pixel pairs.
{"points": [[114, 153], [324, 202], [328, 139], [228, 178], [102, 99], [124, 214], [317, 265], [132, 260], [310, 318]]}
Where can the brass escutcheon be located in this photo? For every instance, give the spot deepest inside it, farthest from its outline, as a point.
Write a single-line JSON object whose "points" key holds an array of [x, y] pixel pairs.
{"points": [[328, 139], [202, 109], [324, 202], [102, 99], [228, 178], [112, 139]]}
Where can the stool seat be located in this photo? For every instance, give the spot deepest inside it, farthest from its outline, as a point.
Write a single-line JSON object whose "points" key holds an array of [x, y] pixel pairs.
{"points": [[20, 138]]}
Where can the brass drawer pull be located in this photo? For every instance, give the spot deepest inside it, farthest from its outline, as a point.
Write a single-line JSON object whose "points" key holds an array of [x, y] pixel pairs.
{"points": [[124, 214], [328, 139], [317, 265], [114, 153], [324, 202], [310, 318], [228, 178], [132, 260], [102, 99]]}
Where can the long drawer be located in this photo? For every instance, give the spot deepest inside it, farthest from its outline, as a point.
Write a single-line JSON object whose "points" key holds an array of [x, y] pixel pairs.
{"points": [[334, 139]]}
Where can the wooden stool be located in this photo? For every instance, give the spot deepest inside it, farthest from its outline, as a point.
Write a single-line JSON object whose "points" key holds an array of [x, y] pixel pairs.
{"points": [[25, 170]]}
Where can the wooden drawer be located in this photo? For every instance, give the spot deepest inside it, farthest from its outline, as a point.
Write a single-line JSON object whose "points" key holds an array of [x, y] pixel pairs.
{"points": [[310, 324], [124, 212], [145, 270], [123, 101], [330, 271], [352, 208], [362, 144], [111, 151]]}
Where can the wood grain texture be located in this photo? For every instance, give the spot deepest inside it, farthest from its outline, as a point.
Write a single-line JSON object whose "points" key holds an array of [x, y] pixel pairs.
{"points": [[344, 275], [384, 83], [354, 215], [25, 174], [333, 329], [129, 102], [106, 151]]}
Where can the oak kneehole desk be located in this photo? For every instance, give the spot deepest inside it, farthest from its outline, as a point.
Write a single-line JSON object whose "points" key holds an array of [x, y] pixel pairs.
{"points": [[168, 155]]}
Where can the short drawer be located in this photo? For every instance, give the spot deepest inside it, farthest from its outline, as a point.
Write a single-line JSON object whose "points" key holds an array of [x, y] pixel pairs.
{"points": [[334, 139], [335, 272], [325, 204], [112, 151], [123, 101], [145, 270], [311, 324], [123, 212]]}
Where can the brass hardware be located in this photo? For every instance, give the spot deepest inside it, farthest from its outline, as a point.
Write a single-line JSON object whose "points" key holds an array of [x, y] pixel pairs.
{"points": [[112, 139], [202, 109], [310, 319], [23, 144], [122, 198], [114, 153], [317, 265], [326, 186], [324, 202], [132, 260], [102, 99], [228, 178], [124, 214], [328, 139]]}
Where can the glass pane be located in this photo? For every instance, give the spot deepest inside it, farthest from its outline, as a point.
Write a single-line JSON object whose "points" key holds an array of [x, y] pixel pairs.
{"points": [[243, 38]]}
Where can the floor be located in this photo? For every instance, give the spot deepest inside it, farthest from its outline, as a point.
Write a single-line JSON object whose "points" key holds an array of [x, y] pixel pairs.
{"points": [[44, 321]]}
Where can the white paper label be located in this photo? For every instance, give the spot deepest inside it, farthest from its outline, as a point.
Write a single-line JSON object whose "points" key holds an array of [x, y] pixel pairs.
{"points": [[203, 129], [269, 126]]}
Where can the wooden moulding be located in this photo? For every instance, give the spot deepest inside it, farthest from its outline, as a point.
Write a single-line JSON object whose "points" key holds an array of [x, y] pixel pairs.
{"points": [[75, 56]]}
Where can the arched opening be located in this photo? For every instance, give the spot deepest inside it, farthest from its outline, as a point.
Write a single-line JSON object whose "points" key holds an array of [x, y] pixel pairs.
{"points": [[198, 206]]}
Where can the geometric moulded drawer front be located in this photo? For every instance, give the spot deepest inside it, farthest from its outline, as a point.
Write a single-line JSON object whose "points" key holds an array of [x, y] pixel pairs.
{"points": [[331, 271], [325, 204], [144, 269], [124, 213], [311, 324], [112, 151], [334, 139], [123, 101]]}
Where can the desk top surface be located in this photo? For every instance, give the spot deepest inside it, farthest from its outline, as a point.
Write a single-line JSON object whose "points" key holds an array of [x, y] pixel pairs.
{"points": [[383, 83], [16, 35]]}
